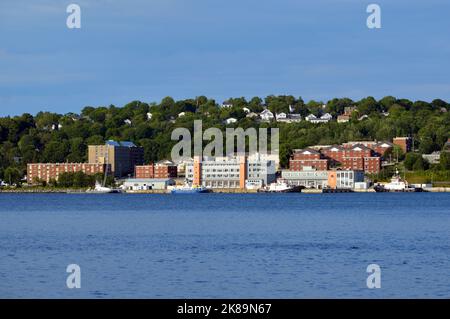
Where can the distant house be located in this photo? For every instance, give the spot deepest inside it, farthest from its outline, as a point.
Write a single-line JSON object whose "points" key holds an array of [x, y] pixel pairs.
{"points": [[323, 119], [288, 118], [246, 110], [181, 114], [281, 116], [294, 117], [231, 120], [227, 104], [343, 118], [266, 115], [149, 116], [310, 117], [252, 115], [433, 158], [127, 121], [348, 110]]}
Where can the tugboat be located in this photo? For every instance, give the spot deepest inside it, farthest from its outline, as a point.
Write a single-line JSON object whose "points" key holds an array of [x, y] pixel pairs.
{"points": [[281, 187], [397, 184], [189, 189]]}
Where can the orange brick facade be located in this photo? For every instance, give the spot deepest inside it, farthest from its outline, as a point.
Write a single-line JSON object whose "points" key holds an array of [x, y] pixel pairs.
{"points": [[155, 171], [307, 158], [51, 171], [349, 157]]}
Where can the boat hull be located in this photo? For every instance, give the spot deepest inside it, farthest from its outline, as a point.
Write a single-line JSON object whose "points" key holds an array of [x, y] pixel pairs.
{"points": [[381, 189], [189, 191]]}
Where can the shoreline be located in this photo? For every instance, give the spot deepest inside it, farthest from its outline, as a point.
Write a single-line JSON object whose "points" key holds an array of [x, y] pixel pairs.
{"points": [[215, 191]]}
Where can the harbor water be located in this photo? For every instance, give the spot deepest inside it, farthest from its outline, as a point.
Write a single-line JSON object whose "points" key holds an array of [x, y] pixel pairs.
{"points": [[225, 245]]}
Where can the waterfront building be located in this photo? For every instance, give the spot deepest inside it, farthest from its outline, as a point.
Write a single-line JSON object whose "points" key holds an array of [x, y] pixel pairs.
{"points": [[51, 171], [344, 179], [123, 156], [161, 169], [275, 157], [353, 157], [320, 179], [302, 158], [379, 148], [308, 178], [144, 184], [230, 172]]}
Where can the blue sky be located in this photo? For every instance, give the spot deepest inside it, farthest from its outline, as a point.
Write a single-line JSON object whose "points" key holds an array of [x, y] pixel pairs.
{"points": [[145, 50]]}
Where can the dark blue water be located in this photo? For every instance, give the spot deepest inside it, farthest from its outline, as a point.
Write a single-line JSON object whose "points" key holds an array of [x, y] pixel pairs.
{"points": [[220, 245]]}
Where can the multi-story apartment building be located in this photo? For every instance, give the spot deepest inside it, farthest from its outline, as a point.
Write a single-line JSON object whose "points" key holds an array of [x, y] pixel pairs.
{"points": [[160, 170], [353, 157], [51, 171], [379, 148], [123, 156], [302, 158], [230, 172]]}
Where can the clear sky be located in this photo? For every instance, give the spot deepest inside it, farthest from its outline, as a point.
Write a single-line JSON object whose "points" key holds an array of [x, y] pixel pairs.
{"points": [[147, 49]]}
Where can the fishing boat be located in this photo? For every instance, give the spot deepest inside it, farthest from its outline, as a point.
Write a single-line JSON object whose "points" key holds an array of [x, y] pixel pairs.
{"points": [[397, 184]]}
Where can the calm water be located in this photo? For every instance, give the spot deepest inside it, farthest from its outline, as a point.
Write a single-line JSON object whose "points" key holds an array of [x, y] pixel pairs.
{"points": [[218, 245]]}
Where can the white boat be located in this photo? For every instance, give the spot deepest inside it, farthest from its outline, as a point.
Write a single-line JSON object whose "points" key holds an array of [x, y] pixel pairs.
{"points": [[397, 184], [99, 189], [188, 189], [281, 187]]}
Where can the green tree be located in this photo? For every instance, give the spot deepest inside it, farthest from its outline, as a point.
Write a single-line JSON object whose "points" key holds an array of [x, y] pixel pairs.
{"points": [[12, 175], [420, 164], [445, 160], [411, 159]]}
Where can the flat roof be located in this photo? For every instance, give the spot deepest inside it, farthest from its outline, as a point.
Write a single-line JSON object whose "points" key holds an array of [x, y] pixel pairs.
{"points": [[148, 180]]}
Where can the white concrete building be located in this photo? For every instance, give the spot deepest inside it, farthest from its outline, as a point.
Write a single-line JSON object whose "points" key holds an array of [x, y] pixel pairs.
{"points": [[144, 184]]}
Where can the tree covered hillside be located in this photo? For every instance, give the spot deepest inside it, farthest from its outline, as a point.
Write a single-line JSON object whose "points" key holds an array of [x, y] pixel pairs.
{"points": [[50, 137]]}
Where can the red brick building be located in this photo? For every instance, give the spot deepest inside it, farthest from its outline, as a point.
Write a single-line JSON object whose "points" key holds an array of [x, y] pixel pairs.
{"points": [[354, 157], [307, 158], [163, 169], [379, 148], [405, 143], [51, 171]]}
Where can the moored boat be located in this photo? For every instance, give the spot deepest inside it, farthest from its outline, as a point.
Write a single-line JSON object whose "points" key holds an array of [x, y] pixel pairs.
{"points": [[280, 187], [188, 189], [397, 184], [99, 189]]}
